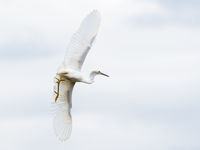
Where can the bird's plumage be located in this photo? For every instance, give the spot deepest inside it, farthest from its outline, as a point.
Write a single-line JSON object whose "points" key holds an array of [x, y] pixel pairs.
{"points": [[77, 50], [62, 120], [81, 41]]}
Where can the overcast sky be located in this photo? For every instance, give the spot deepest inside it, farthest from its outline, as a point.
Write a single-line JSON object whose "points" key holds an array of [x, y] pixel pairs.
{"points": [[150, 49]]}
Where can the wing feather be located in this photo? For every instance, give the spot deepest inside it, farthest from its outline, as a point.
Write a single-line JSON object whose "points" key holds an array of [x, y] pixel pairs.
{"points": [[62, 121], [76, 53], [82, 40]]}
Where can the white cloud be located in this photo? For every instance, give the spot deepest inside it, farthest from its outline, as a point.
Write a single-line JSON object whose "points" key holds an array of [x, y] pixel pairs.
{"points": [[179, 13], [150, 100]]}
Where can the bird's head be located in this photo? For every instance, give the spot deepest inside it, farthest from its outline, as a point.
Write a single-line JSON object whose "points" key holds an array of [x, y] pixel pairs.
{"points": [[95, 72]]}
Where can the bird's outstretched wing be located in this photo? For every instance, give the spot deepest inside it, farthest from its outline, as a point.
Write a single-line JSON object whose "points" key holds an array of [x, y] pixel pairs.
{"points": [[62, 121], [82, 40]]}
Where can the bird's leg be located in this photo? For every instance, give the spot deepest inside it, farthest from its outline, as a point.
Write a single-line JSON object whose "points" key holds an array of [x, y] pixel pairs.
{"points": [[57, 93]]}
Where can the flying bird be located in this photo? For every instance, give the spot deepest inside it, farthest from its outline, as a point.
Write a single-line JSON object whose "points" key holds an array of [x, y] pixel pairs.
{"points": [[69, 72]]}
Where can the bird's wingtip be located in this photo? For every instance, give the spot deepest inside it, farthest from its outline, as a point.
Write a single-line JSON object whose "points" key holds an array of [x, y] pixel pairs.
{"points": [[95, 12]]}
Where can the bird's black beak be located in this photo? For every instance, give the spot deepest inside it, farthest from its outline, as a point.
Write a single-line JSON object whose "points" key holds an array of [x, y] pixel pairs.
{"points": [[103, 74]]}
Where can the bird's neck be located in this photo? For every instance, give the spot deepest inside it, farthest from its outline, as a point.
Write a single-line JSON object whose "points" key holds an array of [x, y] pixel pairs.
{"points": [[91, 77]]}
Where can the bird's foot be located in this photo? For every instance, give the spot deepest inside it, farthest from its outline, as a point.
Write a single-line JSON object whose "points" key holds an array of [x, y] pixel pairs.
{"points": [[57, 93], [58, 80]]}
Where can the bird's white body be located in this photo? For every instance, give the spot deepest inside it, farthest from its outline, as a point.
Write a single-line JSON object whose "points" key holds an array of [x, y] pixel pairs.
{"points": [[76, 76], [69, 73]]}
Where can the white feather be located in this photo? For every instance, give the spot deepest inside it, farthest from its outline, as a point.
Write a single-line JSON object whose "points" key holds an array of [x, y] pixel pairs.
{"points": [[77, 50], [62, 121], [81, 41]]}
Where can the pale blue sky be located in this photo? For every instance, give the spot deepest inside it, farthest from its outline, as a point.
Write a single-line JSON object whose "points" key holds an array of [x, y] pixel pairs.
{"points": [[149, 48]]}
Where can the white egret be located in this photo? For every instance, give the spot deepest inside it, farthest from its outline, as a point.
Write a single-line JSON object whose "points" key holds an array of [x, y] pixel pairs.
{"points": [[69, 73]]}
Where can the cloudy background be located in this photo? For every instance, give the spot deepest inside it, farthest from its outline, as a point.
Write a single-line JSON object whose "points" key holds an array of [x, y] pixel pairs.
{"points": [[151, 50]]}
